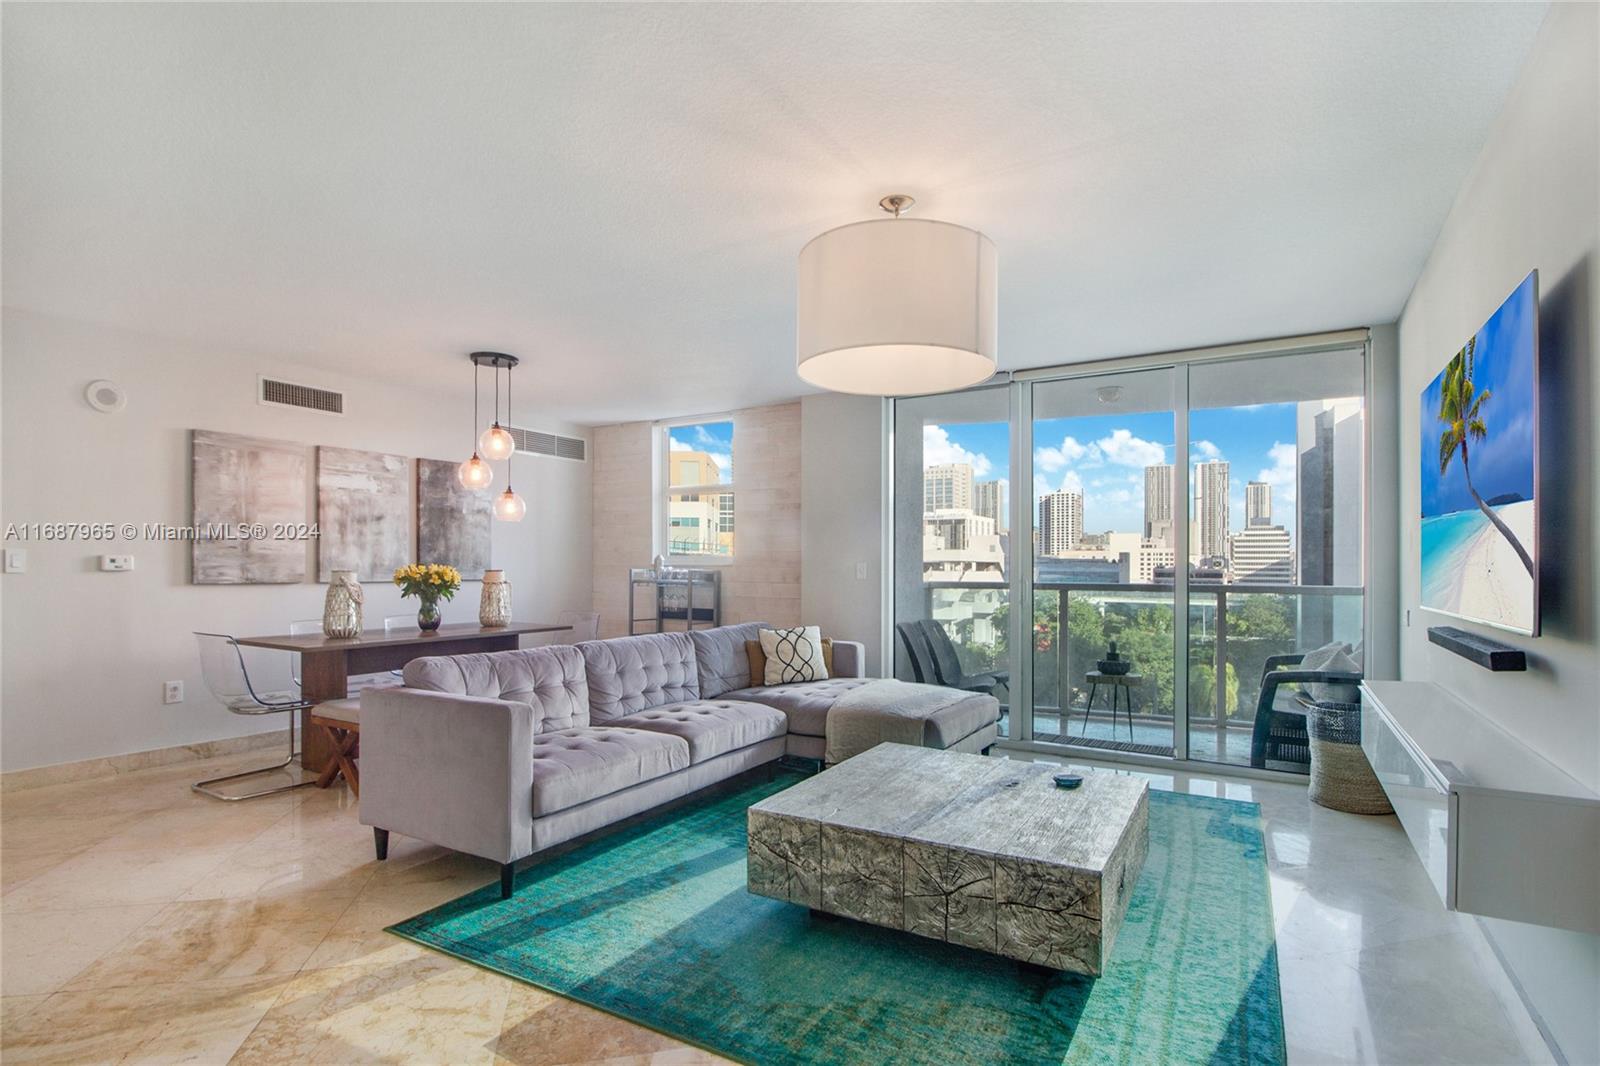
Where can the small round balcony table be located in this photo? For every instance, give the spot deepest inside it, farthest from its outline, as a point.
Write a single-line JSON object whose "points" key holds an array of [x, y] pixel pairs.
{"points": [[1123, 683]]}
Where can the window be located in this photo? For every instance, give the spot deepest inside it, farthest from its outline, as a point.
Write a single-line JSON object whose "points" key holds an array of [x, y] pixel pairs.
{"points": [[699, 514], [1208, 516]]}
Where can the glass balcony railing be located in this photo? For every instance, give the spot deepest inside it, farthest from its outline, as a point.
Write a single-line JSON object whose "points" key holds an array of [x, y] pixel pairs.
{"points": [[1232, 631]]}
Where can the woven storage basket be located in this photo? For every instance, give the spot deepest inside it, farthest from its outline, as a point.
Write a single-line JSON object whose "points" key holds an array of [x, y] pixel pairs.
{"points": [[1341, 777]]}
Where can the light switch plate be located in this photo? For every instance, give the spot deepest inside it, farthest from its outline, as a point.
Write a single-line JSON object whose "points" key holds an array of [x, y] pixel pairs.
{"points": [[116, 562], [16, 560], [861, 571]]}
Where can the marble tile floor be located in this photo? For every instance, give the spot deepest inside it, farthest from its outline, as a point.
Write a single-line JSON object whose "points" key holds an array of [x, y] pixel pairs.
{"points": [[141, 922]]}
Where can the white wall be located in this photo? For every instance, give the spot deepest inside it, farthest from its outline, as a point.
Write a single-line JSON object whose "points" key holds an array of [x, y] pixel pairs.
{"points": [[1531, 201], [842, 518], [1382, 648], [84, 652]]}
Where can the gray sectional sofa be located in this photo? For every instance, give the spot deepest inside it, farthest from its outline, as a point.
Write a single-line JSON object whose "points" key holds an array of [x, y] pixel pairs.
{"points": [[507, 753]]}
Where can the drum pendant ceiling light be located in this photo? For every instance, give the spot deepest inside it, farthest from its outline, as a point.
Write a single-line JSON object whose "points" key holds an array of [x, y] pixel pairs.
{"points": [[897, 306]]}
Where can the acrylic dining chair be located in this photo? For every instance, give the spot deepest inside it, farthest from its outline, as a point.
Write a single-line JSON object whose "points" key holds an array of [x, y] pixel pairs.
{"points": [[222, 666]]}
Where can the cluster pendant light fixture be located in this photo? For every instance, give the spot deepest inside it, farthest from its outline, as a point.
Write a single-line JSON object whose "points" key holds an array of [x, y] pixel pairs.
{"points": [[496, 443], [897, 306]]}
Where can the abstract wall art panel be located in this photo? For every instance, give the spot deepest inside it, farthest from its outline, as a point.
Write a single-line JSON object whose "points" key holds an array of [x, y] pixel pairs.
{"points": [[452, 522], [363, 513], [242, 486]]}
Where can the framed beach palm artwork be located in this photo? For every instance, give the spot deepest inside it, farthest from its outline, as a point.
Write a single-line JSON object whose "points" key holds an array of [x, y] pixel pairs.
{"points": [[1480, 438]]}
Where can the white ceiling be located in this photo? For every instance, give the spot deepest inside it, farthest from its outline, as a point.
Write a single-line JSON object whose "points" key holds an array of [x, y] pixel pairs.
{"points": [[618, 193]]}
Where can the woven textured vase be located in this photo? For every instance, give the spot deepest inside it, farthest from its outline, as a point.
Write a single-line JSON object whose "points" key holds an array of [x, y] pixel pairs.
{"points": [[341, 611], [494, 604]]}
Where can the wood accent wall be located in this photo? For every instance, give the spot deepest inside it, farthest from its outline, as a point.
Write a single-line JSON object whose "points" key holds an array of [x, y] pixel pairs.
{"points": [[763, 581]]}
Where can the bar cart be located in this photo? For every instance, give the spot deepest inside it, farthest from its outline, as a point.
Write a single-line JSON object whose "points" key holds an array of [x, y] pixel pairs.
{"points": [[676, 595]]}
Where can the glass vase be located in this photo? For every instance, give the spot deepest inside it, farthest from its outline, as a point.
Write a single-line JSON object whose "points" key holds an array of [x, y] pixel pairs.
{"points": [[428, 616]]}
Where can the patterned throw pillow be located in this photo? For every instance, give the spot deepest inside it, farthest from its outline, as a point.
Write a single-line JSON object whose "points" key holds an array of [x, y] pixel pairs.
{"points": [[758, 659], [793, 655]]}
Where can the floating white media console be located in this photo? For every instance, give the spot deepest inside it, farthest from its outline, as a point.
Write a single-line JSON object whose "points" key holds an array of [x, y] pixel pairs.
{"points": [[1501, 831]]}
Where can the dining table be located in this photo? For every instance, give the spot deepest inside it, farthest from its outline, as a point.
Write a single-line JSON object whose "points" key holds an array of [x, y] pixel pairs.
{"points": [[327, 663]]}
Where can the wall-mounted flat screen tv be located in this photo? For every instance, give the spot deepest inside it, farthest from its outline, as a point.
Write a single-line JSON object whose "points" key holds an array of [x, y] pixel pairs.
{"points": [[1480, 448]]}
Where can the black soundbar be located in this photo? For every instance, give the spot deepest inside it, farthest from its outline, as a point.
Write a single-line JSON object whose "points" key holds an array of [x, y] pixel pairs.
{"points": [[1487, 653]]}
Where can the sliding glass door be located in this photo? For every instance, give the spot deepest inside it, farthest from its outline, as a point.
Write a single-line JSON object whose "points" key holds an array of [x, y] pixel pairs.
{"points": [[1277, 497], [1103, 500], [1205, 517]]}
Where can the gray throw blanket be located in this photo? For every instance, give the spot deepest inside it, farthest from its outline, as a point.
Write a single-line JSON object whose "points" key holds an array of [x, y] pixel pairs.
{"points": [[884, 712]]}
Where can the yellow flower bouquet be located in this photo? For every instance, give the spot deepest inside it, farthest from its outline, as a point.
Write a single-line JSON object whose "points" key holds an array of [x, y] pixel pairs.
{"points": [[429, 583]]}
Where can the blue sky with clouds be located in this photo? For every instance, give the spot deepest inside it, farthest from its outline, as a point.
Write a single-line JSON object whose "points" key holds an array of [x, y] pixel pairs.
{"points": [[1104, 456], [1503, 363], [713, 438]]}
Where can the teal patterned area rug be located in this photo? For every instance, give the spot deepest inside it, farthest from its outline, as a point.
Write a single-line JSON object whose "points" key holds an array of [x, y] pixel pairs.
{"points": [[653, 924]]}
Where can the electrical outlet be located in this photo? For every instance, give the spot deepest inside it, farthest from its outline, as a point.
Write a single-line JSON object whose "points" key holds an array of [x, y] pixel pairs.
{"points": [[172, 692], [861, 571], [16, 561], [116, 562]]}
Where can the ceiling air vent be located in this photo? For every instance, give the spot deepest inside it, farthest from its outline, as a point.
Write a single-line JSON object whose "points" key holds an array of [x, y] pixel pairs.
{"points": [[306, 397], [537, 442]]}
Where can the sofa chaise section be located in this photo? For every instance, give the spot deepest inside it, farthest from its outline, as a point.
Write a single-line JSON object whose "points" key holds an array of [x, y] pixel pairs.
{"points": [[723, 665], [968, 724]]}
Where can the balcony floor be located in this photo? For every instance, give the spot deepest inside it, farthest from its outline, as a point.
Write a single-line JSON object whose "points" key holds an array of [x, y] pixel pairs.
{"points": [[1151, 737]]}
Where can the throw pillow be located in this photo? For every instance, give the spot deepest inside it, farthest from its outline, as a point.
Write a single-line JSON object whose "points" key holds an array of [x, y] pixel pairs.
{"points": [[792, 655], [758, 659], [1332, 658], [1313, 659]]}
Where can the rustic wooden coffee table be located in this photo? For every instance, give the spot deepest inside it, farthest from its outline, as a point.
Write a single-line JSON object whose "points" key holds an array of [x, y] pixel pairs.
{"points": [[983, 852]]}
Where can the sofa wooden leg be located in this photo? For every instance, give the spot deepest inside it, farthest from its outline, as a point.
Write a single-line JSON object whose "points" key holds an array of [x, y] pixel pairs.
{"points": [[508, 879], [380, 840]]}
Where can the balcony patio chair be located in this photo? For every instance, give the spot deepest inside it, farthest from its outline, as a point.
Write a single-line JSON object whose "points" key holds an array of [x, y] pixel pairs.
{"points": [[947, 663], [1280, 729], [223, 668], [916, 646]]}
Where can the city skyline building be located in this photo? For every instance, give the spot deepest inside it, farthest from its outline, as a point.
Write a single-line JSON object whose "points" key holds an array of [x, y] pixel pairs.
{"points": [[1158, 505], [1060, 522], [1329, 497], [989, 500], [1261, 555], [1328, 505], [1257, 504], [698, 523], [1210, 510], [947, 486]]}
